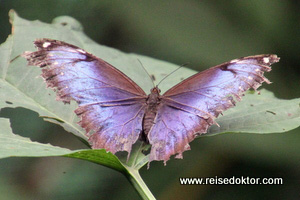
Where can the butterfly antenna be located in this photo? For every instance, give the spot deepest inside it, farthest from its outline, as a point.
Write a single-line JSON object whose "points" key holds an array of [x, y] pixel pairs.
{"points": [[146, 72], [172, 73]]}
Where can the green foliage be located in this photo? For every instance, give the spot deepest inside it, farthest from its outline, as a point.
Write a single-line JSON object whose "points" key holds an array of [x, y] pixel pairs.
{"points": [[12, 145], [21, 86], [262, 113]]}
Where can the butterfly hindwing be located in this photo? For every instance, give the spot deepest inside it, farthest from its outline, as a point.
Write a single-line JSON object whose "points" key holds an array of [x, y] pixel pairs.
{"points": [[111, 105]]}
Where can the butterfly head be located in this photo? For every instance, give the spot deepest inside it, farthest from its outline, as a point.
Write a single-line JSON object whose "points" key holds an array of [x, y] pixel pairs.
{"points": [[155, 90]]}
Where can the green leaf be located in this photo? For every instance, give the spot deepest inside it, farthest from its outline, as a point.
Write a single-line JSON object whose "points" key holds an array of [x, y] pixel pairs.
{"points": [[12, 145], [262, 113], [99, 156]]}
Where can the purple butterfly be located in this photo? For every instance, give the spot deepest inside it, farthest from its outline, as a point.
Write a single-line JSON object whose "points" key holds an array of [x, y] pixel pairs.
{"points": [[116, 112]]}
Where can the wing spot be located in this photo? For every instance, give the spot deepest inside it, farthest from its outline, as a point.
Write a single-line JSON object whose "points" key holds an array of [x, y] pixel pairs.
{"points": [[225, 68], [250, 77], [55, 63], [46, 44], [61, 73], [257, 70], [81, 51], [266, 60], [235, 60]]}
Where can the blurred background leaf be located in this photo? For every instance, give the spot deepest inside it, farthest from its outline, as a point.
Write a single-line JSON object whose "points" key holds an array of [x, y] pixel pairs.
{"points": [[203, 33]]}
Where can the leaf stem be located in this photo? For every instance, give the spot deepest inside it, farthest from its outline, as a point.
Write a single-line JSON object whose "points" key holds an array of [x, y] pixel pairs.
{"points": [[137, 182]]}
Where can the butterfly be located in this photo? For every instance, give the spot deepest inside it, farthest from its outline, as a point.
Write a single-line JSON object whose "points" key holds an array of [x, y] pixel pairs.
{"points": [[116, 112]]}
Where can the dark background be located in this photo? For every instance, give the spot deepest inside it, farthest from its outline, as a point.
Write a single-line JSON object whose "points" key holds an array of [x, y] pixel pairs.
{"points": [[202, 33]]}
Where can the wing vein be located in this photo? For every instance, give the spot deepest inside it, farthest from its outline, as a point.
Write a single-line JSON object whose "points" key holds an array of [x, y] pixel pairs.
{"points": [[210, 115]]}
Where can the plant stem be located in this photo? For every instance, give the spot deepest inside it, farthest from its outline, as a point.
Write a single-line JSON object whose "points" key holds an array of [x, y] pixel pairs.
{"points": [[136, 180]]}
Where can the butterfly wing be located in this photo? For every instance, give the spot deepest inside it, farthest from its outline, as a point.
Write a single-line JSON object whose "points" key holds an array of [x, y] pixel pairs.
{"points": [[111, 105], [190, 107]]}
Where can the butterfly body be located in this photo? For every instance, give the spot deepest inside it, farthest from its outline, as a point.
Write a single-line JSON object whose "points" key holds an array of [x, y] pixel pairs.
{"points": [[153, 102], [116, 112]]}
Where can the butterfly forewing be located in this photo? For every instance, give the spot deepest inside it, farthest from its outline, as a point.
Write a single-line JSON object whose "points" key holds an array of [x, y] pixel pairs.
{"points": [[110, 104], [190, 107]]}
